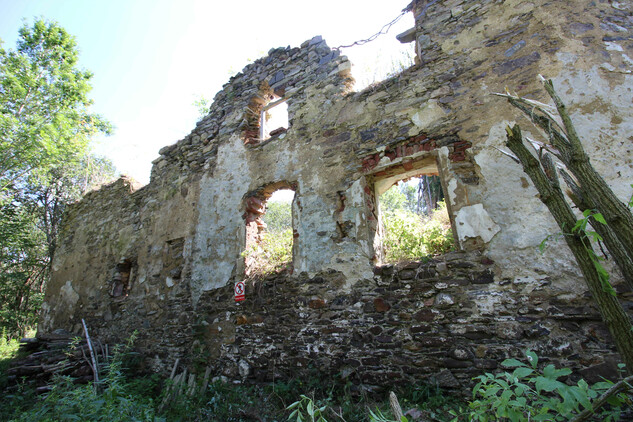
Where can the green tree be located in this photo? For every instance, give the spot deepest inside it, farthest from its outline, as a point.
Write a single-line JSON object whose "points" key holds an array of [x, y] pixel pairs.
{"points": [[420, 195], [45, 160], [392, 200], [278, 216], [561, 140], [44, 116]]}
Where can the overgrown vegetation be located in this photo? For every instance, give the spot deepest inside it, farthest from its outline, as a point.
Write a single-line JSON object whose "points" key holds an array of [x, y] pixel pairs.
{"points": [[111, 400], [530, 392], [274, 251], [124, 395], [272, 254], [8, 351], [45, 161], [525, 394], [415, 223]]}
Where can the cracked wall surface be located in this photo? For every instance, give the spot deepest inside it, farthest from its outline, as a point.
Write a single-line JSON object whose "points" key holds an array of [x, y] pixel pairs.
{"points": [[184, 232]]}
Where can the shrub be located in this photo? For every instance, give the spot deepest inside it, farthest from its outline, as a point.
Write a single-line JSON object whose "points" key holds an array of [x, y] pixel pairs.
{"points": [[411, 236], [272, 254], [527, 394]]}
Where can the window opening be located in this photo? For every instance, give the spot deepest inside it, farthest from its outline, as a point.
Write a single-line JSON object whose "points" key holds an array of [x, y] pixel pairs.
{"points": [[269, 232], [274, 118], [121, 281], [413, 218]]}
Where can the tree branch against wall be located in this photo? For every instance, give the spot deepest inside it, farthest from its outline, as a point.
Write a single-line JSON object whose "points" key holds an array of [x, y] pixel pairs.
{"points": [[588, 189]]}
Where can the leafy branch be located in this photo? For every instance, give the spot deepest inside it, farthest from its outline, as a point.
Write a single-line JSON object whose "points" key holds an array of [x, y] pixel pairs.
{"points": [[610, 217]]}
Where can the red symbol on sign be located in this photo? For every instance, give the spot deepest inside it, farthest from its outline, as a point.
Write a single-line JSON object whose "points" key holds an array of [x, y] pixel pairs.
{"points": [[240, 289]]}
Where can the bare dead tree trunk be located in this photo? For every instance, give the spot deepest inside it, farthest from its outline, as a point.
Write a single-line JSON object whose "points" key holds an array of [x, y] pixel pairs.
{"points": [[614, 316]]}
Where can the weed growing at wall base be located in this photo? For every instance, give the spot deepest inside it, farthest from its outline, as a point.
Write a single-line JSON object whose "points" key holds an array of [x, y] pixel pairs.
{"points": [[528, 394]]}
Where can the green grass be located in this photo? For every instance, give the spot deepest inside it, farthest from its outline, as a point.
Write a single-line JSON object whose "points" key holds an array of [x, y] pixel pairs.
{"points": [[9, 350]]}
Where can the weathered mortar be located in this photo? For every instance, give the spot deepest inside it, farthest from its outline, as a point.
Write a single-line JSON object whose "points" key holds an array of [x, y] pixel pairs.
{"points": [[447, 320], [183, 233]]}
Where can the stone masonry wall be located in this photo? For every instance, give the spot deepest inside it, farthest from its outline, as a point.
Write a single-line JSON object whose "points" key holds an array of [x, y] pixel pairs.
{"points": [[162, 259], [444, 321]]}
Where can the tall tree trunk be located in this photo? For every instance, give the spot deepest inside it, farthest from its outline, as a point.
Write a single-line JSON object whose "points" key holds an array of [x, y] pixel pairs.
{"points": [[614, 211], [571, 152], [427, 195], [611, 241], [614, 316]]}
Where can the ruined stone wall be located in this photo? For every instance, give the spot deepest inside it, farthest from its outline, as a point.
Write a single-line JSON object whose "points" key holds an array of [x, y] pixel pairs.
{"points": [[180, 238], [444, 321]]}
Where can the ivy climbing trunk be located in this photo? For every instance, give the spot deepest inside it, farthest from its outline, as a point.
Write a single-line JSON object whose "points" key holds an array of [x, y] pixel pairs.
{"points": [[546, 182]]}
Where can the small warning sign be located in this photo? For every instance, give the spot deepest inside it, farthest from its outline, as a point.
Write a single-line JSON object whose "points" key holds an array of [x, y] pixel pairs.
{"points": [[240, 289]]}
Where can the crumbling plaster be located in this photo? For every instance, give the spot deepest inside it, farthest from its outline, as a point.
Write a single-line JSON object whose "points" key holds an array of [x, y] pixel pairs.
{"points": [[185, 230]]}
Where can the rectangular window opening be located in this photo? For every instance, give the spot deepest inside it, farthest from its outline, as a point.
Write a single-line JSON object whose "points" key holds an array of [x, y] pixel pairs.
{"points": [[274, 118], [413, 217]]}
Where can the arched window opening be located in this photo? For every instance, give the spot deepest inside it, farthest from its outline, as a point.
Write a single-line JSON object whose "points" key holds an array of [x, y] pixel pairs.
{"points": [[413, 217], [269, 231]]}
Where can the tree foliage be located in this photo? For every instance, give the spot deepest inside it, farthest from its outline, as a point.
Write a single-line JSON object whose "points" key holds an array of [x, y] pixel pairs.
{"points": [[590, 193], [420, 195], [410, 236], [45, 160], [44, 116], [278, 216], [415, 220]]}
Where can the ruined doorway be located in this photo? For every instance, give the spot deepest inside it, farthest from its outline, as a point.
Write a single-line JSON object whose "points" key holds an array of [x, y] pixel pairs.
{"points": [[269, 234], [413, 216]]}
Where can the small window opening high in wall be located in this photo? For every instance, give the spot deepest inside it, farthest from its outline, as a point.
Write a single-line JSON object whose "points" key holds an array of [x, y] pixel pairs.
{"points": [[413, 221], [274, 118], [269, 231], [121, 281]]}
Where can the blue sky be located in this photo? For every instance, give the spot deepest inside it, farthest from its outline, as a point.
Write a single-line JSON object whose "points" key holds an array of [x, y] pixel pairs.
{"points": [[153, 58]]}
